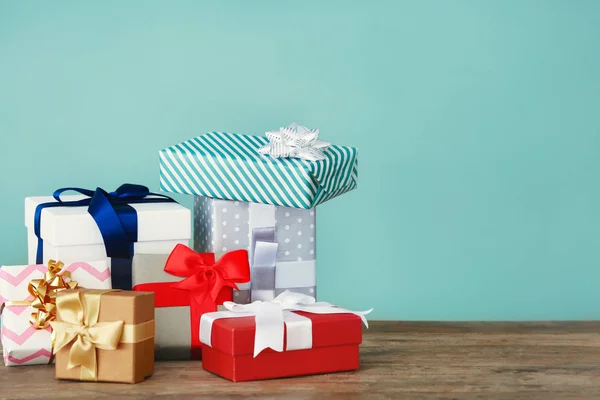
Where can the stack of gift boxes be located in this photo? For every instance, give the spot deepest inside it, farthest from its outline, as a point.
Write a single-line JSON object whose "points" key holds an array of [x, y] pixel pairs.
{"points": [[111, 283]]}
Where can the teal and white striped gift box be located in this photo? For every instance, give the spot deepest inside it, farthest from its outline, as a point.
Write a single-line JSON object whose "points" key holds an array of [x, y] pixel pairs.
{"points": [[228, 166]]}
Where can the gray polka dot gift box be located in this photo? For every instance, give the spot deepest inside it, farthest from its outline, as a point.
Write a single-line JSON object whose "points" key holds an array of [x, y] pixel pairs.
{"points": [[259, 194]]}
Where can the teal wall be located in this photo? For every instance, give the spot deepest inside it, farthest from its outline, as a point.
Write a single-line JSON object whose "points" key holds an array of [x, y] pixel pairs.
{"points": [[478, 125]]}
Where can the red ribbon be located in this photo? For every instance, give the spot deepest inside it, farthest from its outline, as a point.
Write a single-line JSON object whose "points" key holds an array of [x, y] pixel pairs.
{"points": [[207, 284]]}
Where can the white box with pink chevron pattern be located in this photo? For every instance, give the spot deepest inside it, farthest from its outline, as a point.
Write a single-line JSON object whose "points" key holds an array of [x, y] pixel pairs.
{"points": [[22, 344]]}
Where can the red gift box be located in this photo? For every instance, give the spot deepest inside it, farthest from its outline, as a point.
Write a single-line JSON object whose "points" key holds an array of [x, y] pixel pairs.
{"points": [[335, 348]]}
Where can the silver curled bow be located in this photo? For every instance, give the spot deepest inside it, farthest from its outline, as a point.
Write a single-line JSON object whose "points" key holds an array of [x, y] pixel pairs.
{"points": [[295, 141]]}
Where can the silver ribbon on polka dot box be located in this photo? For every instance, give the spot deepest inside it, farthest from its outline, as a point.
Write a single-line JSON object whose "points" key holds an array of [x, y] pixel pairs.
{"points": [[281, 244]]}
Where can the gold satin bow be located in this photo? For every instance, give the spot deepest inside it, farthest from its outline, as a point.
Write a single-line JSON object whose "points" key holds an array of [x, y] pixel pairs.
{"points": [[79, 325], [44, 293]]}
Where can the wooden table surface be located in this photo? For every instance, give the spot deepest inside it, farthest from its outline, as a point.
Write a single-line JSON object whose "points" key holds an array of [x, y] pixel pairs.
{"points": [[399, 360]]}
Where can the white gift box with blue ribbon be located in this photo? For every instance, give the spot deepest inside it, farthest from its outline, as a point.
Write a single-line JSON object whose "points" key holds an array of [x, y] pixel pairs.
{"points": [[260, 194], [70, 233]]}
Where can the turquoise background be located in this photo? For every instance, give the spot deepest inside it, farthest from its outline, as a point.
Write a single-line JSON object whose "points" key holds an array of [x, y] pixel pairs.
{"points": [[478, 125]]}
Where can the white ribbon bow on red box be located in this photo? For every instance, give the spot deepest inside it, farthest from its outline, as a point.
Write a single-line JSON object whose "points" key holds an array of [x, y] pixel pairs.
{"points": [[275, 318]]}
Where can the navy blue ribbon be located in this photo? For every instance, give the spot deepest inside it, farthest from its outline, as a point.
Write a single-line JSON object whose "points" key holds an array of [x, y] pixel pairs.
{"points": [[115, 218]]}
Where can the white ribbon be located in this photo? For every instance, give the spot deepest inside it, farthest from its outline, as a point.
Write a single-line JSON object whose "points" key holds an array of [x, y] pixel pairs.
{"points": [[275, 318], [295, 141]]}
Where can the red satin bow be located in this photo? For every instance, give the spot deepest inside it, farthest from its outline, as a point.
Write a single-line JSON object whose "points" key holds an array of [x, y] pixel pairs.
{"points": [[203, 279]]}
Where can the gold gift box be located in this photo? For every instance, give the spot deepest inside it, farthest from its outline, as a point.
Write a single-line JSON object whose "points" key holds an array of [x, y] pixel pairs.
{"points": [[131, 359]]}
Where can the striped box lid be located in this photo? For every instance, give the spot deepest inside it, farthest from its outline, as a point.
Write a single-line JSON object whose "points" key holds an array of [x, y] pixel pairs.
{"points": [[228, 166]]}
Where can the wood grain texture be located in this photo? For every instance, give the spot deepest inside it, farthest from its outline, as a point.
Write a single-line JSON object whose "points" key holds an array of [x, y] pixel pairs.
{"points": [[399, 360]]}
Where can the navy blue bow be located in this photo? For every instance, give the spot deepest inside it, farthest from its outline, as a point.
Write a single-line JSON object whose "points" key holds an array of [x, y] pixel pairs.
{"points": [[115, 218]]}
